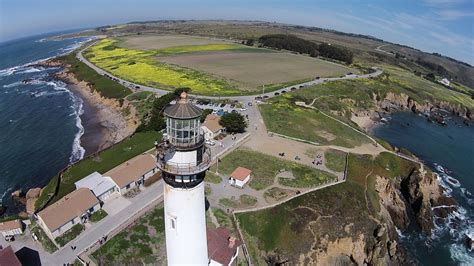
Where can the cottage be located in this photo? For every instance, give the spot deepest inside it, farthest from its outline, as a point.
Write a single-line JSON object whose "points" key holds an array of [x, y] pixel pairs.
{"points": [[240, 177], [132, 173], [11, 228], [101, 186], [8, 257], [222, 248], [76, 207], [445, 82], [211, 127]]}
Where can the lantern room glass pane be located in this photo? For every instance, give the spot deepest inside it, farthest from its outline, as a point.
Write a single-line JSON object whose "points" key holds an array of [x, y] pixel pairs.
{"points": [[184, 132]]}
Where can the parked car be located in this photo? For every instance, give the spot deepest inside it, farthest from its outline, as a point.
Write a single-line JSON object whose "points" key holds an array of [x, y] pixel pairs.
{"points": [[276, 93], [234, 111], [258, 98], [9, 238], [293, 88], [35, 238], [265, 97], [210, 142], [283, 91], [243, 109], [317, 77], [249, 104], [222, 105], [137, 87], [232, 105]]}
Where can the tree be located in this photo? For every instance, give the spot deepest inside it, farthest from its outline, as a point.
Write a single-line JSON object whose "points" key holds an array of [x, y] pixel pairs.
{"points": [[205, 113], [233, 122]]}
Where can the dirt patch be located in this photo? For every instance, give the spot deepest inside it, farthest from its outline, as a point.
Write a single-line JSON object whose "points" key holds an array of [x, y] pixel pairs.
{"points": [[252, 69]]}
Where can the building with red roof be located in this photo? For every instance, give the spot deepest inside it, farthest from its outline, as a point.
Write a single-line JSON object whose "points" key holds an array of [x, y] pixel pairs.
{"points": [[8, 257], [240, 177], [222, 248]]}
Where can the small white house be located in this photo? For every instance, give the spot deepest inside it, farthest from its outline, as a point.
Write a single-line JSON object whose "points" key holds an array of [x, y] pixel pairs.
{"points": [[102, 187], [11, 228], [211, 127], [445, 82], [132, 173], [240, 177], [76, 207]]}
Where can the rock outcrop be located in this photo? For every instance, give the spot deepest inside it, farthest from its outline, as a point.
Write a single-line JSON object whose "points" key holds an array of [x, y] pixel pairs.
{"points": [[392, 200], [31, 197]]}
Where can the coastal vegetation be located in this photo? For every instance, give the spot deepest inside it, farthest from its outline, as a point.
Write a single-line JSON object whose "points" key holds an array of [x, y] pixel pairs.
{"points": [[244, 201], [105, 86], [233, 122], [265, 168], [101, 162], [304, 221], [140, 243], [335, 160], [282, 116]]}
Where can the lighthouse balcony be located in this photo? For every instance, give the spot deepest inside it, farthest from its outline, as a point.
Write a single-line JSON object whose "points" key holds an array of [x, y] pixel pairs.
{"points": [[201, 164]]}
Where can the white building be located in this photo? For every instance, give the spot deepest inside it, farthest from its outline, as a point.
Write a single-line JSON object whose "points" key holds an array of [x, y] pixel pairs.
{"points": [[76, 207], [240, 177], [132, 173], [11, 228], [183, 159], [445, 82], [211, 127], [101, 186]]}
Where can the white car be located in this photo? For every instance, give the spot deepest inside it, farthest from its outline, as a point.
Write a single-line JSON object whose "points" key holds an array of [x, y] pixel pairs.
{"points": [[210, 142], [243, 109]]}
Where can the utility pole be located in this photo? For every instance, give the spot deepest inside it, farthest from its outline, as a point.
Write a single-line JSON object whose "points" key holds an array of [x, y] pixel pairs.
{"points": [[263, 89]]}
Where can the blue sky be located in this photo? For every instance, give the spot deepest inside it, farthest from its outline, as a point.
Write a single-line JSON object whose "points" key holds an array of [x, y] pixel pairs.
{"points": [[444, 26]]}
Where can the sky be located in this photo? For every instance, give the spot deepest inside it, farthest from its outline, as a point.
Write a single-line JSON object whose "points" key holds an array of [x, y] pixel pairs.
{"points": [[443, 26]]}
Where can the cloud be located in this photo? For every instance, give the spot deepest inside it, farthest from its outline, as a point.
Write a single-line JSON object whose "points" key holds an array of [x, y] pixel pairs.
{"points": [[443, 3], [454, 14]]}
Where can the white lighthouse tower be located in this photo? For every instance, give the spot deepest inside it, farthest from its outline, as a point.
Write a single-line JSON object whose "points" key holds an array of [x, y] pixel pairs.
{"points": [[183, 159]]}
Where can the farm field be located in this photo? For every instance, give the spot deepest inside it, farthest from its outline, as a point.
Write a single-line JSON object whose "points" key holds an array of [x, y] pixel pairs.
{"points": [[254, 69], [149, 42], [213, 69]]}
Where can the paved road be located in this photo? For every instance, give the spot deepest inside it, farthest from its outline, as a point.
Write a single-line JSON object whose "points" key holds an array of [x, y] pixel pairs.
{"points": [[247, 98]]}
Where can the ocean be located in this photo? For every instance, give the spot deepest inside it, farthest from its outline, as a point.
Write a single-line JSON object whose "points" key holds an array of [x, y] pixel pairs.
{"points": [[449, 152], [40, 124]]}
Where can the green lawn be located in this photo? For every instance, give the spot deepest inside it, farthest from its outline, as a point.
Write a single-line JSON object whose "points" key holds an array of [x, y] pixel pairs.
{"points": [[141, 243], [98, 215], [265, 168], [335, 160], [213, 178], [105, 86], [282, 116], [70, 234], [106, 160]]}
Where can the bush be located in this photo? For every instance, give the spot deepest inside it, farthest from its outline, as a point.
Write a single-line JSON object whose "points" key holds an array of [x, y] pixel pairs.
{"points": [[152, 179], [233, 122], [70, 234], [98, 215]]}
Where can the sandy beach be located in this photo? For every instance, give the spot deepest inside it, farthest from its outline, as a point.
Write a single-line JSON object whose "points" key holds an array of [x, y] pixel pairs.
{"points": [[103, 120]]}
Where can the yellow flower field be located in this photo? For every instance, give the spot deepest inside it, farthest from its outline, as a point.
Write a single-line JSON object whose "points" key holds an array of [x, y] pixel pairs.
{"points": [[139, 67]]}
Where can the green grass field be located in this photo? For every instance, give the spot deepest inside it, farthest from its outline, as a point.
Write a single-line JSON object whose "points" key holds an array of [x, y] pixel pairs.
{"points": [[141, 243], [104, 161], [265, 168], [282, 116], [335, 160], [105, 86]]}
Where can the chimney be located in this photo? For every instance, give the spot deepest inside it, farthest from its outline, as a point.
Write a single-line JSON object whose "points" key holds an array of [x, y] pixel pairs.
{"points": [[231, 242]]}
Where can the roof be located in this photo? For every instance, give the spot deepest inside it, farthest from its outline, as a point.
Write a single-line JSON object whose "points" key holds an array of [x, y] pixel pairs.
{"points": [[69, 207], [240, 173], [212, 123], [10, 225], [218, 248], [97, 183], [183, 109], [132, 170], [8, 257]]}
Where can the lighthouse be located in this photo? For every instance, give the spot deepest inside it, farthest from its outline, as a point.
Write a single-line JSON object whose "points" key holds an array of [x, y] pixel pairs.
{"points": [[183, 159]]}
